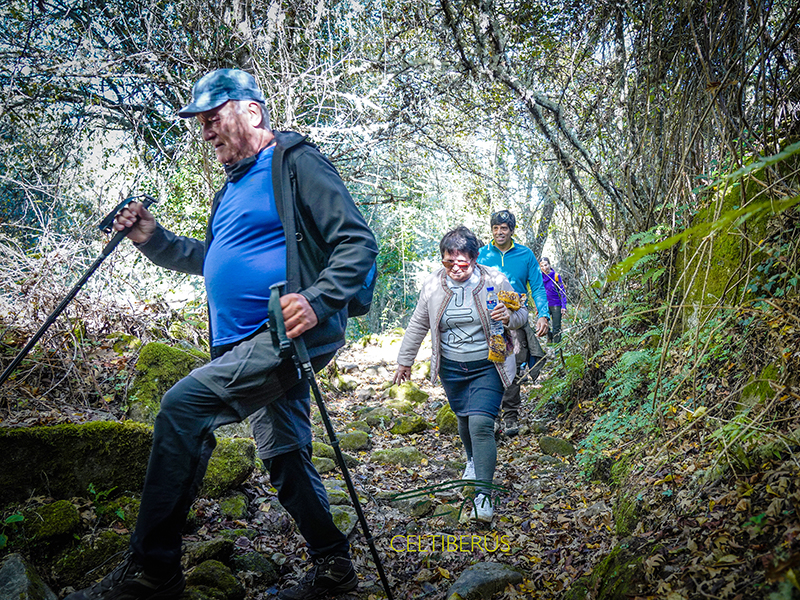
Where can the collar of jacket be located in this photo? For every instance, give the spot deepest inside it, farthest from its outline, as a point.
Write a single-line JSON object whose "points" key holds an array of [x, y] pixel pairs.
{"points": [[496, 247], [239, 169]]}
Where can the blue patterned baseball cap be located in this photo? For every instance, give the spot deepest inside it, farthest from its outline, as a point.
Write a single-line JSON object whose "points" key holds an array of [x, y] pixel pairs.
{"points": [[216, 88]]}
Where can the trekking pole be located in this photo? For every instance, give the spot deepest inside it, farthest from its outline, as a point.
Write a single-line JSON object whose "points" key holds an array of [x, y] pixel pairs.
{"points": [[303, 362], [105, 226]]}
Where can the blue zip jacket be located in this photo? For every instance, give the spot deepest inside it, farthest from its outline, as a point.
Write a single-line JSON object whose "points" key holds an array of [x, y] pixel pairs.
{"points": [[519, 264]]}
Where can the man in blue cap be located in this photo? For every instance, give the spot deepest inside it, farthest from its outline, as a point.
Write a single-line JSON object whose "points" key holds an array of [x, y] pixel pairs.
{"points": [[519, 264], [284, 214]]}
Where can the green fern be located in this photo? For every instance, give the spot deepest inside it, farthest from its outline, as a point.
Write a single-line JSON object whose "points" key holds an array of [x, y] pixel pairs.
{"points": [[633, 370]]}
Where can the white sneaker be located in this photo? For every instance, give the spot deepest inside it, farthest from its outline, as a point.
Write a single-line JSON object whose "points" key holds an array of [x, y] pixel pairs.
{"points": [[469, 472], [482, 509]]}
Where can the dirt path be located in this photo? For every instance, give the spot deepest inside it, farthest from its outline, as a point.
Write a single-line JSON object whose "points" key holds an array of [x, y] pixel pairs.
{"points": [[547, 523]]}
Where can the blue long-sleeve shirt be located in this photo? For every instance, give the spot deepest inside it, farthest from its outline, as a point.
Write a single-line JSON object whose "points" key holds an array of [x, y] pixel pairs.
{"points": [[520, 266]]}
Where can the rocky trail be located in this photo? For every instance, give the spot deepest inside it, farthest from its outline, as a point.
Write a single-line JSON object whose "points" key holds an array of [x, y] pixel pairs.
{"points": [[548, 525], [667, 517]]}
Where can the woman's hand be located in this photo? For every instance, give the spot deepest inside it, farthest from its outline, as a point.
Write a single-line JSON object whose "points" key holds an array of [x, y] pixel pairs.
{"points": [[501, 313], [402, 374]]}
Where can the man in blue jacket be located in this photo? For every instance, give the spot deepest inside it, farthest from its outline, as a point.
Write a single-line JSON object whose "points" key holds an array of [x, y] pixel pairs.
{"points": [[284, 214], [519, 265]]}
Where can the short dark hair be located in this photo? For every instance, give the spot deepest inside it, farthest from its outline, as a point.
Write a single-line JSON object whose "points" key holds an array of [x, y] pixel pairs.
{"points": [[504, 216], [460, 239], [544, 258]]}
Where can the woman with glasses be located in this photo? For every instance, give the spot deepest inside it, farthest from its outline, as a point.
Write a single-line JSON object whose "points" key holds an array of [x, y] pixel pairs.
{"points": [[452, 305]]}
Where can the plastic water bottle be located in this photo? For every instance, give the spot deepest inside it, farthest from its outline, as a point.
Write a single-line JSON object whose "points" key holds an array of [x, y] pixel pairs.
{"points": [[495, 327]]}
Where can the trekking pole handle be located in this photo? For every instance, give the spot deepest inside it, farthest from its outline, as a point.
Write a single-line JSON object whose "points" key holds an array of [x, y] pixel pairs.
{"points": [[277, 326], [278, 329], [107, 224]]}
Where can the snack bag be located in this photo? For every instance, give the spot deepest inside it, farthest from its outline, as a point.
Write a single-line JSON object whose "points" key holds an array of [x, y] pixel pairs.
{"points": [[497, 349], [512, 300]]}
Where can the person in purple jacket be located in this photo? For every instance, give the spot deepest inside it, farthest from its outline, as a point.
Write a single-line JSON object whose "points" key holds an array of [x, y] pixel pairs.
{"points": [[556, 299]]}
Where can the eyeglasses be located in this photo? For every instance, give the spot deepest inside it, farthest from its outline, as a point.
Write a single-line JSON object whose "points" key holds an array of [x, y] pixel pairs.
{"points": [[461, 264]]}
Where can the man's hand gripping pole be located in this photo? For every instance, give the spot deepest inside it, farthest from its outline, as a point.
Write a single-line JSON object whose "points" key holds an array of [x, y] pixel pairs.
{"points": [[105, 225], [296, 348]]}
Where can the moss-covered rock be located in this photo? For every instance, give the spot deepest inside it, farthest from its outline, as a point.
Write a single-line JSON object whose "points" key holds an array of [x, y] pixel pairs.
{"points": [[345, 383], [218, 548], [626, 512], [366, 394], [158, 368], [234, 506], [214, 580], [414, 507], [337, 492], [231, 464], [122, 342], [360, 426], [616, 577], [398, 456], [483, 580], [124, 509], [556, 446], [718, 256], [242, 532], [323, 465], [94, 558], [758, 389], [422, 369], [354, 441], [51, 521], [400, 406], [61, 461], [620, 469], [409, 424], [446, 420], [19, 581], [344, 517], [322, 450], [381, 416], [450, 514], [408, 390], [257, 563]]}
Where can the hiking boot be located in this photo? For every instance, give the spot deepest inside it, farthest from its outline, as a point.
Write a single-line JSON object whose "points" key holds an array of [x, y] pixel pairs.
{"points": [[469, 471], [498, 428], [511, 427], [129, 582], [482, 509], [328, 575]]}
